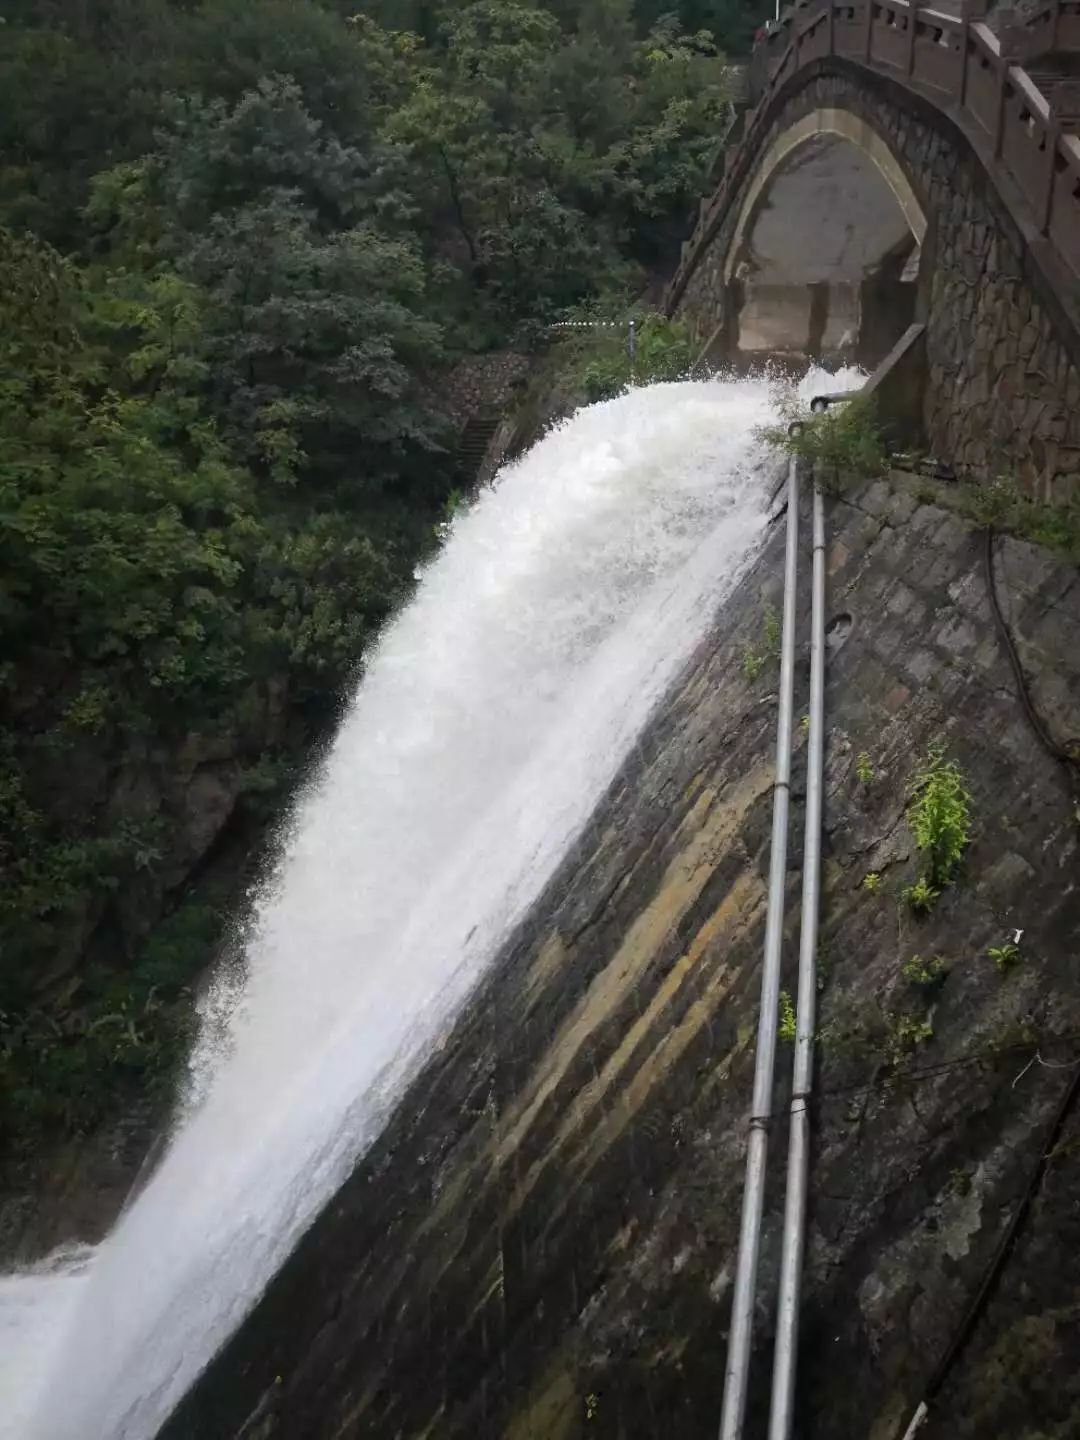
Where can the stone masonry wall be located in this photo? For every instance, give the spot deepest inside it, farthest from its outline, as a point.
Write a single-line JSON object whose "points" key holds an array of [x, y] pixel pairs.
{"points": [[482, 384], [541, 1244], [1003, 391]]}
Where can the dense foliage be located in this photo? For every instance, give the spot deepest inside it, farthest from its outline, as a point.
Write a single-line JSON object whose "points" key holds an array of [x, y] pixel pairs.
{"points": [[595, 361], [843, 444], [240, 242]]}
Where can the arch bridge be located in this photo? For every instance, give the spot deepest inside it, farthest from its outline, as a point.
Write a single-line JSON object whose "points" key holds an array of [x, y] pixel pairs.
{"points": [[907, 184]]}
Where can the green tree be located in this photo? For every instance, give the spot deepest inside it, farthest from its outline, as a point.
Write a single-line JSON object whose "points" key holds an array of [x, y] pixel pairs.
{"points": [[558, 158], [147, 590], [315, 342], [81, 89]]}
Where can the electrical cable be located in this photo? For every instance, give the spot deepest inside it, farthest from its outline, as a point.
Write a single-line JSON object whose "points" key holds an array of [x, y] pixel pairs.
{"points": [[1069, 762], [996, 1264], [899, 1079]]}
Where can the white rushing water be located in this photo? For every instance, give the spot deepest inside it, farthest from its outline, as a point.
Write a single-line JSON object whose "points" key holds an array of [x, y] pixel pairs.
{"points": [[34, 1308], [495, 710]]}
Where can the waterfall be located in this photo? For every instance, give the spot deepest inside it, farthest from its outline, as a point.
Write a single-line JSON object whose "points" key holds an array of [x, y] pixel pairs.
{"points": [[493, 712]]}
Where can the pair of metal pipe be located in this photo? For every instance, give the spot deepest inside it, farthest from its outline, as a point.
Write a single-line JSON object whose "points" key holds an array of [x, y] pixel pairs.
{"points": [[791, 1262]]}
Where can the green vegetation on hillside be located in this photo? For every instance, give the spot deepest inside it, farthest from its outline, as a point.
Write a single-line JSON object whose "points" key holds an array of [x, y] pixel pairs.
{"points": [[596, 363], [240, 243]]}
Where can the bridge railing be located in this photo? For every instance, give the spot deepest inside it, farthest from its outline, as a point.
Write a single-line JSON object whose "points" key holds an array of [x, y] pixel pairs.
{"points": [[958, 62], [1056, 26]]}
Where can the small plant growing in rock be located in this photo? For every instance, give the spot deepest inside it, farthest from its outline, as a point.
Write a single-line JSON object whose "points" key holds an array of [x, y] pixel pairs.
{"points": [[939, 812], [993, 503], [592, 1406], [788, 1029], [864, 771], [905, 1034], [871, 882], [959, 1182], [920, 897], [1004, 504], [844, 443], [754, 661], [1005, 957], [926, 974], [804, 724]]}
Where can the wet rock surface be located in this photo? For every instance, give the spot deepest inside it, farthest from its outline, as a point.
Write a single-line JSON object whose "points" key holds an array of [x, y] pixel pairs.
{"points": [[193, 795], [542, 1242]]}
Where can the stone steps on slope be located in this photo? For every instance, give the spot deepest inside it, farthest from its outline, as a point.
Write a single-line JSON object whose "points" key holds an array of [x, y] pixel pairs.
{"points": [[472, 446]]}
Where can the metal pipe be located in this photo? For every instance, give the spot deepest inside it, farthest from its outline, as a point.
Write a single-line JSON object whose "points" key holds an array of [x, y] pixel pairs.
{"points": [[917, 1421], [785, 1355], [742, 1305]]}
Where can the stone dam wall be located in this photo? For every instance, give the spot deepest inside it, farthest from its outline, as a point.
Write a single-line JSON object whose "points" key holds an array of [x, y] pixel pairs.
{"points": [[541, 1245]]}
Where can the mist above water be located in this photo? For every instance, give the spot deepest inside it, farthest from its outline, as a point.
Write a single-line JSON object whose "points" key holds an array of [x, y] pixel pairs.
{"points": [[494, 711]]}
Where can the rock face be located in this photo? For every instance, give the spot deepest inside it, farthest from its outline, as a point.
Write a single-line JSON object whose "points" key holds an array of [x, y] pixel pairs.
{"points": [[192, 795], [541, 1244]]}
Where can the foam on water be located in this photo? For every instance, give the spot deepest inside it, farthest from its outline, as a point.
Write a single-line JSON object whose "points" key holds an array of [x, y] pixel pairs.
{"points": [[494, 711], [34, 1307]]}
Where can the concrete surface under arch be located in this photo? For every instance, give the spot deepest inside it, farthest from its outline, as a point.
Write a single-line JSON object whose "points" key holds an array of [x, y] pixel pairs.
{"points": [[827, 236]]}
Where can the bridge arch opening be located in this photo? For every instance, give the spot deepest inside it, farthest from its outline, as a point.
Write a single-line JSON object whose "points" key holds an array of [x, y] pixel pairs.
{"points": [[827, 248]]}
